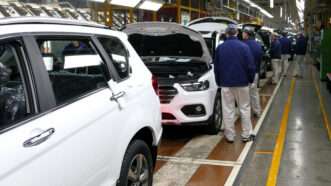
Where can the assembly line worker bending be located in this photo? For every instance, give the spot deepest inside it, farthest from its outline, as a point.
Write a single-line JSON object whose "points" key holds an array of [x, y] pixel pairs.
{"points": [[234, 71]]}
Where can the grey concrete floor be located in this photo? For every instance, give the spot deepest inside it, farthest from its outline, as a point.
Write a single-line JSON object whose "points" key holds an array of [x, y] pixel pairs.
{"points": [[306, 158]]}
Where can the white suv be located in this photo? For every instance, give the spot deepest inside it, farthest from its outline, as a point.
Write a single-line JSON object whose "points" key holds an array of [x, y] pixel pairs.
{"points": [[77, 106], [180, 61]]}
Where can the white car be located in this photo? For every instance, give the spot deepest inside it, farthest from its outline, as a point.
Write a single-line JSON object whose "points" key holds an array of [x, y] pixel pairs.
{"points": [[212, 30], [182, 66], [77, 106]]}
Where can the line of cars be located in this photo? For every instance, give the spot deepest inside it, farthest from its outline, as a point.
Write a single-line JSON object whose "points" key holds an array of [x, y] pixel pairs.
{"points": [[180, 58], [79, 107]]}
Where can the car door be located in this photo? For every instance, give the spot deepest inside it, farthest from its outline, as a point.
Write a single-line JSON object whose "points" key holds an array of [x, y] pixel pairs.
{"points": [[72, 140]]}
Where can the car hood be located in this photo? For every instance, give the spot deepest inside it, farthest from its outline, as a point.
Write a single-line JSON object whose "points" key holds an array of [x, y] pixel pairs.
{"points": [[211, 24], [167, 39], [251, 26]]}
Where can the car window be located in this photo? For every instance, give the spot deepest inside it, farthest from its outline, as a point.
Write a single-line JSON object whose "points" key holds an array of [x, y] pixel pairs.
{"points": [[74, 66], [14, 106], [118, 53]]}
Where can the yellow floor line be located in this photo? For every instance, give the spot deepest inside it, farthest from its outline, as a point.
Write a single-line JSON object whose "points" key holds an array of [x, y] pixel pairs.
{"points": [[279, 147], [326, 120]]}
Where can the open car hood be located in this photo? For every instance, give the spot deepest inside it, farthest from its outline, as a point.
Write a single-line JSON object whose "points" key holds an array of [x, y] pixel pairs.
{"points": [[209, 25], [167, 39]]}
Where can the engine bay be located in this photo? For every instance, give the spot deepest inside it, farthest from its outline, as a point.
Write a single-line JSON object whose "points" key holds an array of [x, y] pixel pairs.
{"points": [[178, 72]]}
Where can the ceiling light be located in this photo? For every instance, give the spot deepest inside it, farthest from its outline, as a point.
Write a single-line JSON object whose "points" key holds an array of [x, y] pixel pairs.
{"points": [[151, 5], [271, 3], [127, 3], [281, 12], [263, 11]]}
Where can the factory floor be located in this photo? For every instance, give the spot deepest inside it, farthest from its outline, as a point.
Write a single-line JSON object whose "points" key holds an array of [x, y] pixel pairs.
{"points": [[292, 145]]}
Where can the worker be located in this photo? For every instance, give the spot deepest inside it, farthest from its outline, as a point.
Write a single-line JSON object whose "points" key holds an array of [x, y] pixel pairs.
{"points": [[275, 54], [286, 52], [300, 51], [75, 48], [234, 70], [256, 49]]}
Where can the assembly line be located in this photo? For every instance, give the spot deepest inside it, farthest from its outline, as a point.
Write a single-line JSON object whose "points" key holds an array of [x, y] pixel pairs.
{"points": [[165, 92]]}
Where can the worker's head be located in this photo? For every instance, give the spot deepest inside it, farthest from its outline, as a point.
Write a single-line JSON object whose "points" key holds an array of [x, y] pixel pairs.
{"points": [[248, 34], [231, 30], [284, 34], [76, 44]]}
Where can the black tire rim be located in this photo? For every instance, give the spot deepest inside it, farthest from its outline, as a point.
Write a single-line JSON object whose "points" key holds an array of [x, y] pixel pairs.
{"points": [[138, 173], [218, 114]]}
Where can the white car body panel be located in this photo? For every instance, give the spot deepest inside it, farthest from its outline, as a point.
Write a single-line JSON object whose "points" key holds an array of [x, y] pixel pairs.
{"points": [[91, 134]]}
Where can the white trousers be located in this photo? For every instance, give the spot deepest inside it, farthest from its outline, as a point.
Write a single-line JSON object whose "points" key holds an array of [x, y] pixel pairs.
{"points": [[231, 95], [255, 97], [298, 69], [276, 69], [285, 63]]}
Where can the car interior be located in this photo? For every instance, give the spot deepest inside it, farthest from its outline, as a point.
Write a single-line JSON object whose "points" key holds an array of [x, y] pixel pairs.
{"points": [[74, 68]]}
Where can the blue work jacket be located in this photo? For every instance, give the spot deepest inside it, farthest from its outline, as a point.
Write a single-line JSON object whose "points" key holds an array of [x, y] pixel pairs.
{"points": [[257, 52], [234, 64], [276, 50], [286, 45], [301, 46]]}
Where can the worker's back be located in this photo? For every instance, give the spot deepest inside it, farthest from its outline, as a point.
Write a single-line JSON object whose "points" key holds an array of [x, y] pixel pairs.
{"points": [[234, 64]]}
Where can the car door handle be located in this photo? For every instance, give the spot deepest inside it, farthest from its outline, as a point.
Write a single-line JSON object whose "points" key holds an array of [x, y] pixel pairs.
{"points": [[117, 96], [39, 139]]}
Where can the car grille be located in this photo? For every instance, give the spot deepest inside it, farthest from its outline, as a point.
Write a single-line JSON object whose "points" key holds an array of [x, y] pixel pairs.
{"points": [[167, 93]]}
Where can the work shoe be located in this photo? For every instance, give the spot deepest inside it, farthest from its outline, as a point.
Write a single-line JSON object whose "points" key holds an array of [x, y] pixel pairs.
{"points": [[247, 139], [229, 140]]}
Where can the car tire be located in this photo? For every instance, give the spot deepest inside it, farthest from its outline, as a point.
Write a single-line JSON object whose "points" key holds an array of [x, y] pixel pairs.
{"points": [[137, 166], [215, 122]]}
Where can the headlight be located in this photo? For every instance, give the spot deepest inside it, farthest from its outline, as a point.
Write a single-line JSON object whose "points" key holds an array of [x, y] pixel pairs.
{"points": [[198, 86]]}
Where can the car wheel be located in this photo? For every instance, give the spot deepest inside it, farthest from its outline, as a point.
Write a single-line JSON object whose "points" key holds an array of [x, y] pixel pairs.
{"points": [[215, 122], [137, 167]]}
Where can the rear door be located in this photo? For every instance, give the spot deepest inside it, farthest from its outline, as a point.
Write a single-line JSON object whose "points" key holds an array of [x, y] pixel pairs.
{"points": [[72, 137]]}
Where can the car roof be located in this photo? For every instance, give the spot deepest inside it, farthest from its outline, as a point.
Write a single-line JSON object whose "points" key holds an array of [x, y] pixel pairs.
{"points": [[54, 25], [48, 20]]}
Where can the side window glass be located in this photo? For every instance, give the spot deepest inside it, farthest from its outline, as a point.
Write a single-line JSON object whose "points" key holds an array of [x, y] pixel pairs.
{"points": [[13, 99], [118, 53], [74, 66]]}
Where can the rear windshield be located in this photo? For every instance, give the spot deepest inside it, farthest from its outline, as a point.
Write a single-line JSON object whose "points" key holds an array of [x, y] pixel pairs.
{"points": [[179, 45]]}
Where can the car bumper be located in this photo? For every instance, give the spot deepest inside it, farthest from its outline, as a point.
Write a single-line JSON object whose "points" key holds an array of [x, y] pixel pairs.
{"points": [[184, 98]]}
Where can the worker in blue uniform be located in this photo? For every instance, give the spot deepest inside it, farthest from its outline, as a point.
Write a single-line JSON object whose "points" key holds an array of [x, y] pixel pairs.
{"points": [[256, 49], [275, 54], [300, 51], [234, 70], [286, 52]]}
